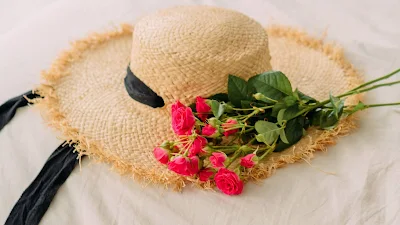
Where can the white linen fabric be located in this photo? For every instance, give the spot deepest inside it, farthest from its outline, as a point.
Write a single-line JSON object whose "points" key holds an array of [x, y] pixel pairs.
{"points": [[364, 190]]}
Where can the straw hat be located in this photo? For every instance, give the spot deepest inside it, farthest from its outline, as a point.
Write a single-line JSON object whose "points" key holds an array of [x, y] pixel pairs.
{"points": [[179, 53]]}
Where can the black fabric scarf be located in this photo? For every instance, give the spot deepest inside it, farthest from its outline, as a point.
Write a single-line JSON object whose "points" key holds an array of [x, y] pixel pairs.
{"points": [[35, 200]]}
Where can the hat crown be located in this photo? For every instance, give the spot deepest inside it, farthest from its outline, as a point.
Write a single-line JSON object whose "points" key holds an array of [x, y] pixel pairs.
{"points": [[188, 51]]}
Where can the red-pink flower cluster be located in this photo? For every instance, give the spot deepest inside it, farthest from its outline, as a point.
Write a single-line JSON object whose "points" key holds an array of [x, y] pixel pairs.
{"points": [[190, 153]]}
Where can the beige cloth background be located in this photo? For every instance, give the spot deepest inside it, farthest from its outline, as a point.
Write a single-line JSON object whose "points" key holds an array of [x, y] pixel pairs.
{"points": [[365, 189]]}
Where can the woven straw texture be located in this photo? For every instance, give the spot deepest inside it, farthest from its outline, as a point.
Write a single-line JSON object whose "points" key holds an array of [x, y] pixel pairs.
{"points": [[180, 53]]}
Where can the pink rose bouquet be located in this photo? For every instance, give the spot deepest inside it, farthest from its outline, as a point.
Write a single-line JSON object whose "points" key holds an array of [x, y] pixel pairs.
{"points": [[222, 136]]}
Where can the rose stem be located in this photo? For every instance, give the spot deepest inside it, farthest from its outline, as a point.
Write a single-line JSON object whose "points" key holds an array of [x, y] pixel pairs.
{"points": [[344, 95], [383, 104], [376, 80]]}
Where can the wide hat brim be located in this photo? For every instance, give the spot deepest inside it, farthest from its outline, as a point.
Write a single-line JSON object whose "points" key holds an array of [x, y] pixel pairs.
{"points": [[85, 100]]}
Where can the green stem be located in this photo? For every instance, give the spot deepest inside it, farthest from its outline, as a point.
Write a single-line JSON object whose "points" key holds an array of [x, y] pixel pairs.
{"points": [[233, 139], [251, 141], [383, 104], [344, 95], [231, 160], [236, 109], [267, 107], [187, 149], [249, 130], [272, 100], [238, 127], [207, 113], [372, 106], [272, 148], [264, 107], [251, 114], [226, 146], [228, 150], [376, 80], [367, 89]]}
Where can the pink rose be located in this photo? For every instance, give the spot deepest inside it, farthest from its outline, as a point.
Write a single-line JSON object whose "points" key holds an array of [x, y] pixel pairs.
{"points": [[162, 155], [217, 159], [184, 166], [202, 108], [228, 182], [182, 119], [198, 144], [228, 125], [205, 174], [248, 161], [209, 131]]}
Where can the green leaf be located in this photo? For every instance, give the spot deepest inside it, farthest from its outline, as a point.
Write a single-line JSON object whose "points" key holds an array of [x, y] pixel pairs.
{"points": [[303, 97], [293, 131], [221, 97], [268, 137], [217, 108], [290, 100], [283, 104], [267, 132], [265, 126], [238, 90], [228, 107], [291, 112], [325, 118], [280, 116], [328, 120], [360, 106], [246, 104], [273, 84], [278, 107], [337, 105], [283, 137]]}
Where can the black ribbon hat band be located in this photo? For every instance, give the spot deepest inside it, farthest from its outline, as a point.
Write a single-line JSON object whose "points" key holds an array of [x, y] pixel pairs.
{"points": [[140, 92]]}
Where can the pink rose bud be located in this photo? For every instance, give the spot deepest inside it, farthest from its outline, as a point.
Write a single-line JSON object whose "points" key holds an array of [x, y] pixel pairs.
{"points": [[217, 159], [207, 149], [214, 122], [228, 182], [185, 166], [162, 155], [183, 120], [209, 131], [228, 127], [195, 164], [249, 160], [205, 174], [170, 145], [198, 144], [202, 108]]}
